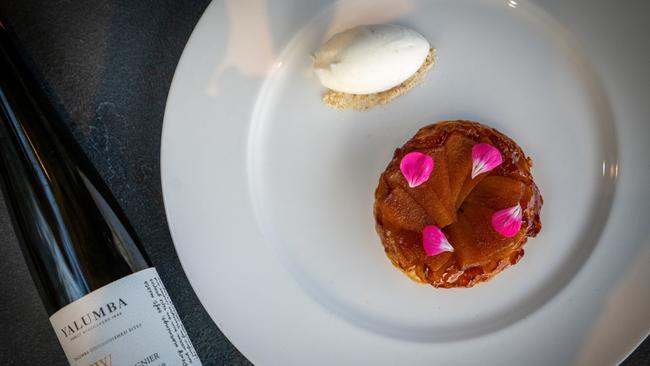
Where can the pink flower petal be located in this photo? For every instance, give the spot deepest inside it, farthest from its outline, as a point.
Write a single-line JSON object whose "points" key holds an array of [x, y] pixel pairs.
{"points": [[485, 157], [434, 241], [416, 168], [507, 222]]}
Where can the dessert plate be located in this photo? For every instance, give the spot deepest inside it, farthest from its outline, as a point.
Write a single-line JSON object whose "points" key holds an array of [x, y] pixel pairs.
{"points": [[269, 193]]}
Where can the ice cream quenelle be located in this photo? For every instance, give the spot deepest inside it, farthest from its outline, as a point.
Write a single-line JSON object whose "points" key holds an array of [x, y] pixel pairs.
{"points": [[371, 64]]}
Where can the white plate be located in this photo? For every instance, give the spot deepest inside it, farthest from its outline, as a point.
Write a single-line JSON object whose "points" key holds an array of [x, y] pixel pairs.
{"points": [[269, 193]]}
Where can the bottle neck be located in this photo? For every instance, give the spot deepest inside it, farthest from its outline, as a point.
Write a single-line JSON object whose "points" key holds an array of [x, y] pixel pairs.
{"points": [[72, 233]]}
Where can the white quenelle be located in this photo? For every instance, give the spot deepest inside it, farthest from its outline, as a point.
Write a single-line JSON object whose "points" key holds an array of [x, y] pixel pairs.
{"points": [[370, 58]]}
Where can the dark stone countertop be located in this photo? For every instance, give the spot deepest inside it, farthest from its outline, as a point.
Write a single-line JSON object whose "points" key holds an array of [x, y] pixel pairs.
{"points": [[106, 66]]}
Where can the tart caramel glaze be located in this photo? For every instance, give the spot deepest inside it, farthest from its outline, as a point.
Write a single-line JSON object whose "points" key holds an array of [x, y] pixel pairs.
{"points": [[461, 206]]}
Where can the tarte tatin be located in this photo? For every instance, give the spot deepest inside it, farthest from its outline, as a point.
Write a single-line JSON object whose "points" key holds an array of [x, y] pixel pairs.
{"points": [[472, 204]]}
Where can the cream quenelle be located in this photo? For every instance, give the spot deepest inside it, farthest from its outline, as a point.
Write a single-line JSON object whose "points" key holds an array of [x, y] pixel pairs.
{"points": [[370, 59]]}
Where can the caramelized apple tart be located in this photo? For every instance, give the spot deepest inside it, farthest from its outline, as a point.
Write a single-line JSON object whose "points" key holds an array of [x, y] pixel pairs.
{"points": [[456, 204]]}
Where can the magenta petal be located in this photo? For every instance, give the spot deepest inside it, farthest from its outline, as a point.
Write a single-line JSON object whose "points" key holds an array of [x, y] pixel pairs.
{"points": [[507, 222], [485, 157], [434, 241], [416, 168]]}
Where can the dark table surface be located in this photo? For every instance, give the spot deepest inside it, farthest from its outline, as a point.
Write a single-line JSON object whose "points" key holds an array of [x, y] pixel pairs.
{"points": [[106, 66]]}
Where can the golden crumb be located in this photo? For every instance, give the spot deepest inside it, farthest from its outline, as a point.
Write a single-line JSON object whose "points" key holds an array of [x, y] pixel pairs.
{"points": [[340, 100]]}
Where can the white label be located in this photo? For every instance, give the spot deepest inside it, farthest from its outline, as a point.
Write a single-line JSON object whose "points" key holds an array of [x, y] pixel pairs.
{"points": [[130, 322]]}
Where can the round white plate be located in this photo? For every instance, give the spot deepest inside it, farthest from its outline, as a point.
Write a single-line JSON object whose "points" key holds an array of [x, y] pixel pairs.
{"points": [[269, 193]]}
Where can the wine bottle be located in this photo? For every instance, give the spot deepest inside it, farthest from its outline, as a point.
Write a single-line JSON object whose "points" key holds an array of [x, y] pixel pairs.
{"points": [[106, 302]]}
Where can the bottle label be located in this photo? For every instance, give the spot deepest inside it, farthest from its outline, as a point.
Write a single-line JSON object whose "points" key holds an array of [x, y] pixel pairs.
{"points": [[130, 322]]}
